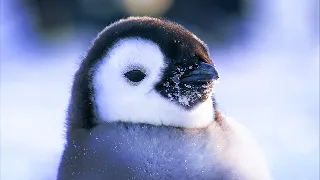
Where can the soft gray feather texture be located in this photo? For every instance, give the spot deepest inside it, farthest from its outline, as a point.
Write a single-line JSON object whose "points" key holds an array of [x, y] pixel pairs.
{"points": [[132, 151]]}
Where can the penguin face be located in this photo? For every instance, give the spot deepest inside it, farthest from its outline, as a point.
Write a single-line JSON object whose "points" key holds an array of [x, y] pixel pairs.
{"points": [[139, 81]]}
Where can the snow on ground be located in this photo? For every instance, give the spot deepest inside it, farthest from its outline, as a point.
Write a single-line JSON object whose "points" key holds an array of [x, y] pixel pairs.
{"points": [[33, 103], [278, 101]]}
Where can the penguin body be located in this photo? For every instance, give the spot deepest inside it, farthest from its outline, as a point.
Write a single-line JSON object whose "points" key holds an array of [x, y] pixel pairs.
{"points": [[142, 108], [133, 151]]}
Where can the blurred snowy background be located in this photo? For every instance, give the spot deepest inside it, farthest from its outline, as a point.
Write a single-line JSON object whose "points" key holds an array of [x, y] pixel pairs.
{"points": [[267, 53]]}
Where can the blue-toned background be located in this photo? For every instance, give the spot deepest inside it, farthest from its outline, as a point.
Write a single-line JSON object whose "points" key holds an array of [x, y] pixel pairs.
{"points": [[267, 53]]}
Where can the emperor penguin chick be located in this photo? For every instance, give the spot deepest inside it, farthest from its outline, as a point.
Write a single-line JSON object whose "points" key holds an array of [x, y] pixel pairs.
{"points": [[142, 107]]}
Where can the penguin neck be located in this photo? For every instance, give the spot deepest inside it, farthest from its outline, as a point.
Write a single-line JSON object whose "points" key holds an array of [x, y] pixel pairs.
{"points": [[162, 112]]}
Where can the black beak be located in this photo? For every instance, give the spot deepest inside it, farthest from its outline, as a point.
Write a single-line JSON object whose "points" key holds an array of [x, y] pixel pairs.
{"points": [[204, 73]]}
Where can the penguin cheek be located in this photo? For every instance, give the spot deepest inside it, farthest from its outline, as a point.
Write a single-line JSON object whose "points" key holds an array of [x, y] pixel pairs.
{"points": [[206, 90], [185, 95], [196, 94]]}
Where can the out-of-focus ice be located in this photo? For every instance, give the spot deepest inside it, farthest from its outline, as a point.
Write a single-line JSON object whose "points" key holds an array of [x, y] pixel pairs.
{"points": [[33, 103], [270, 84], [272, 87]]}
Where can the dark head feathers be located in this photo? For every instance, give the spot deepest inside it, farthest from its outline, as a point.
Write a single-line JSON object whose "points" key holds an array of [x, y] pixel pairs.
{"points": [[174, 41]]}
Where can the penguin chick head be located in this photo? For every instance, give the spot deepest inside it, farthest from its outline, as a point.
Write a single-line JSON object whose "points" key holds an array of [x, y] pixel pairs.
{"points": [[146, 70]]}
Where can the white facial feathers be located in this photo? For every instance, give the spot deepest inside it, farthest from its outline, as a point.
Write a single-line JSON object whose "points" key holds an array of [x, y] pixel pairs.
{"points": [[118, 99]]}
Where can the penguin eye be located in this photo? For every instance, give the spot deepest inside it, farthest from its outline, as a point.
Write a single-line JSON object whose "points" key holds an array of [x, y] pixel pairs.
{"points": [[135, 75]]}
